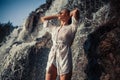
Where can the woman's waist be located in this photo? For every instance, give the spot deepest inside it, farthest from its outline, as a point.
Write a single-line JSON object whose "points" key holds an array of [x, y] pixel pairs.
{"points": [[61, 43]]}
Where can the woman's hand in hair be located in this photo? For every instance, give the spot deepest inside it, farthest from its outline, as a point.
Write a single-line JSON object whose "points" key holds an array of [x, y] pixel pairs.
{"points": [[75, 13]]}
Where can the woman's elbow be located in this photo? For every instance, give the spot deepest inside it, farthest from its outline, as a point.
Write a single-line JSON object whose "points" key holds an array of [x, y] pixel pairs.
{"points": [[42, 19]]}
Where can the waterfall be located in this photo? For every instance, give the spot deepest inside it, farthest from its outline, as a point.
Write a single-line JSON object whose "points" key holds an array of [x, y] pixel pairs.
{"points": [[16, 47], [57, 5], [13, 50], [19, 55]]}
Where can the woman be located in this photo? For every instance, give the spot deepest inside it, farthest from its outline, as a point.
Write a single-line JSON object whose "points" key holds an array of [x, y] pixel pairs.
{"points": [[60, 56]]}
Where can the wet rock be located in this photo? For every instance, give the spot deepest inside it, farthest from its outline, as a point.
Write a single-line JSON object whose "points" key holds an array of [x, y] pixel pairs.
{"points": [[95, 49], [102, 49]]}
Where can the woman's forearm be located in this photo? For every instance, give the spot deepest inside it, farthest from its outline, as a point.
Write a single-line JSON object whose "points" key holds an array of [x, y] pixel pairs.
{"points": [[75, 13], [49, 17]]}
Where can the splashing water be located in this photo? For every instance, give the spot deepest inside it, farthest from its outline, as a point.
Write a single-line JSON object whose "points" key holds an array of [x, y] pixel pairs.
{"points": [[17, 47], [57, 5]]}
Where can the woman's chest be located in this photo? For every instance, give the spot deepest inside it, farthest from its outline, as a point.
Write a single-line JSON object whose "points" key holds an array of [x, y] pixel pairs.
{"points": [[64, 32]]}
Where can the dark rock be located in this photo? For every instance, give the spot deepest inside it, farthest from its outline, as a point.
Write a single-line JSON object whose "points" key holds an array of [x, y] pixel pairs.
{"points": [[102, 49]]}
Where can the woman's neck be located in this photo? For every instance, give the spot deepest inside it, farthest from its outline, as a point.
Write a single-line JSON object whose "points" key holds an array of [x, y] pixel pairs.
{"points": [[63, 23]]}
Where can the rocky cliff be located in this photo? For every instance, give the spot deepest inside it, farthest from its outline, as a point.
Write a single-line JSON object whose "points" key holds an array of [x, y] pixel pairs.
{"points": [[95, 49]]}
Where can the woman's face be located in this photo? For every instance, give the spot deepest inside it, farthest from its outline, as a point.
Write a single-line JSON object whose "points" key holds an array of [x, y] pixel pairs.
{"points": [[63, 15]]}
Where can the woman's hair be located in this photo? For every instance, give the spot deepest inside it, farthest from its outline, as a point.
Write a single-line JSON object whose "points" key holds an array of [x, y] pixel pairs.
{"points": [[66, 10], [70, 21]]}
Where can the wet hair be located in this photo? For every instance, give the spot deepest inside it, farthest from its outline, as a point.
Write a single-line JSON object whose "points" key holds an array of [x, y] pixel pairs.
{"points": [[66, 10], [70, 21]]}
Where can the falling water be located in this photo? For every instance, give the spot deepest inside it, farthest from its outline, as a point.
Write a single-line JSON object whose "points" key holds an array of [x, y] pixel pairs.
{"points": [[16, 47], [14, 52], [57, 5]]}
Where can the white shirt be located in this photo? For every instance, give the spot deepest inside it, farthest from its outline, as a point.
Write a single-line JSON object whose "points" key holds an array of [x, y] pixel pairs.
{"points": [[60, 54]]}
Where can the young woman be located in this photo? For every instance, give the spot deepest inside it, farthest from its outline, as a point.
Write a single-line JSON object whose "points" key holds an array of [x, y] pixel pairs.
{"points": [[60, 56]]}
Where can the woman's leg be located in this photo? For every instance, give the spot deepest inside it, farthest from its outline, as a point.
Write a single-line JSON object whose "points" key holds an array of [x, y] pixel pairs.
{"points": [[66, 76], [51, 74]]}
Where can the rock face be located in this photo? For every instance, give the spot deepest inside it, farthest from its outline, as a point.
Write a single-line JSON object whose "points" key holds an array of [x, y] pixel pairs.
{"points": [[102, 50], [95, 48], [109, 54]]}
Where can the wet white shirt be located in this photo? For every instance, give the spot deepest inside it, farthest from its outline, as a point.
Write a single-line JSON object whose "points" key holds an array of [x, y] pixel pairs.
{"points": [[60, 54]]}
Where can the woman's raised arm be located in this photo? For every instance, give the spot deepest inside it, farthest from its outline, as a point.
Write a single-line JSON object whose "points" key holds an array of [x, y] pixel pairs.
{"points": [[75, 13], [48, 17]]}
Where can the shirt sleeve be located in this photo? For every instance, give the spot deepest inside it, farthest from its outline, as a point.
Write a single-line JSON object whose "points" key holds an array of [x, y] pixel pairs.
{"points": [[74, 24], [48, 26]]}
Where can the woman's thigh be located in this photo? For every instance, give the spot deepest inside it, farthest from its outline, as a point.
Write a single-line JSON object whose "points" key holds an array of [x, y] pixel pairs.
{"points": [[51, 74], [66, 76]]}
